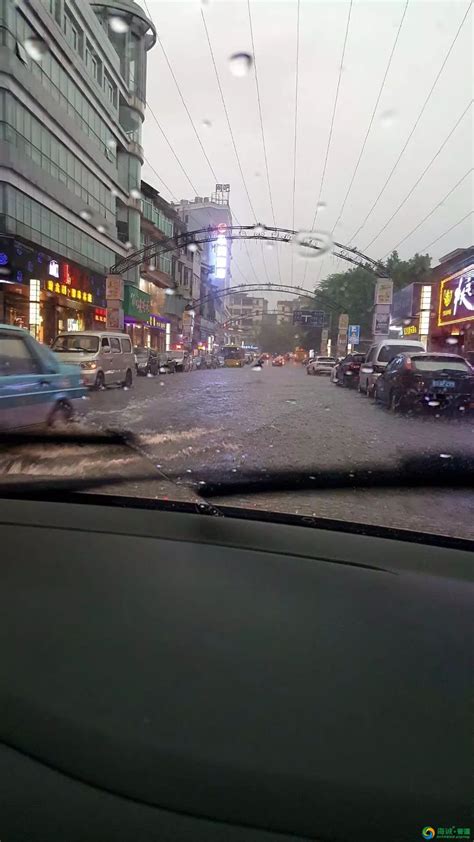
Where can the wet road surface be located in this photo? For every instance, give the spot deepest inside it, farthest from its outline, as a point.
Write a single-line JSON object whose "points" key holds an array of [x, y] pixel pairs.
{"points": [[231, 420]]}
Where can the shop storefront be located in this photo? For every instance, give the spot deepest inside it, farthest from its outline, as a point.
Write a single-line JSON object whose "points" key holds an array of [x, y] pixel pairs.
{"points": [[146, 329], [47, 294], [453, 320], [410, 312]]}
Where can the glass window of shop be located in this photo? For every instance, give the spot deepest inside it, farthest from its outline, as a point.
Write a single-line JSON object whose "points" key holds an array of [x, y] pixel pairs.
{"points": [[21, 128], [60, 85], [27, 218]]}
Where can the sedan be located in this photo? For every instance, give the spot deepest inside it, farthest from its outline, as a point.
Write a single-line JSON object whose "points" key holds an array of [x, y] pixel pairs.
{"points": [[346, 372], [433, 382], [320, 365], [278, 361], [36, 389]]}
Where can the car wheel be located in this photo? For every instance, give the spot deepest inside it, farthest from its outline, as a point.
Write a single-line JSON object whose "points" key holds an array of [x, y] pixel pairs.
{"points": [[99, 381], [127, 383], [394, 401], [361, 388], [60, 416]]}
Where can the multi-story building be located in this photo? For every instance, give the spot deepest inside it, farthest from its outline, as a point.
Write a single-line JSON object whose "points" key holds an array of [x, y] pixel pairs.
{"points": [[212, 212], [284, 312], [72, 100], [246, 314]]}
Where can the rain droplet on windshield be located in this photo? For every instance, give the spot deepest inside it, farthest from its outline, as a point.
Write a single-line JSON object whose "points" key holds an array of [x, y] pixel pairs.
{"points": [[269, 246], [321, 207], [169, 291], [192, 247], [240, 64], [118, 24], [387, 118], [114, 192], [128, 245], [259, 228], [135, 193], [206, 124], [111, 143], [85, 214], [452, 340], [101, 229], [312, 244], [36, 48]]}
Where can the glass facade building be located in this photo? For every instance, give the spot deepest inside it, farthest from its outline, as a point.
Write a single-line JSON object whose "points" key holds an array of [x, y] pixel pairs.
{"points": [[72, 101]]}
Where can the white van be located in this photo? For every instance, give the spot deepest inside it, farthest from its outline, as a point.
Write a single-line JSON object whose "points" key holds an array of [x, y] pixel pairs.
{"points": [[105, 357], [379, 356]]}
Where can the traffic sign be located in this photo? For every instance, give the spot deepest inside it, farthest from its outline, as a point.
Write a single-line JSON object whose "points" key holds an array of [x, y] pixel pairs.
{"points": [[353, 335], [310, 318]]}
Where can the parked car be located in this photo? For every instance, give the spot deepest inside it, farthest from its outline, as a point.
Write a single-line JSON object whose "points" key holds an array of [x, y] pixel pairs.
{"points": [[278, 361], [427, 381], [346, 371], [36, 388], [181, 360], [378, 356], [166, 365], [146, 360], [104, 358], [320, 365]]}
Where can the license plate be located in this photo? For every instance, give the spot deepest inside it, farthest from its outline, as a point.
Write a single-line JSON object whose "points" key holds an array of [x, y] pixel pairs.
{"points": [[443, 384]]}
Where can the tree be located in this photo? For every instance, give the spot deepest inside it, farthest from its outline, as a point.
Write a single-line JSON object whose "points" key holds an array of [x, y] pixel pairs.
{"points": [[353, 291], [277, 339]]}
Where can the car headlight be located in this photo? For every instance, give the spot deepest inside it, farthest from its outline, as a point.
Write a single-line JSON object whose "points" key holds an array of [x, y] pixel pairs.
{"points": [[91, 366]]}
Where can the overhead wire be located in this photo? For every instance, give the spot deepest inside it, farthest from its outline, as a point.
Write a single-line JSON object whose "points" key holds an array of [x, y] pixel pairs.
{"points": [[333, 117], [161, 179], [414, 127], [295, 133], [430, 213], [420, 178], [267, 171], [170, 67], [372, 116], [229, 125], [459, 222]]}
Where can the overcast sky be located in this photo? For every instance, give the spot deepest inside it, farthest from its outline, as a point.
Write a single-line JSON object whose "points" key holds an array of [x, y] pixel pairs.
{"points": [[425, 37]]}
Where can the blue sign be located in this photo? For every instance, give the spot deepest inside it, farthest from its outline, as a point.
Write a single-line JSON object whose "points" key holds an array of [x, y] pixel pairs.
{"points": [[353, 334]]}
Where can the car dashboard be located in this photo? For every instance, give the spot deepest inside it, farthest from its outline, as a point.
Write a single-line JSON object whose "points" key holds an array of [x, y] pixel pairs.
{"points": [[175, 676]]}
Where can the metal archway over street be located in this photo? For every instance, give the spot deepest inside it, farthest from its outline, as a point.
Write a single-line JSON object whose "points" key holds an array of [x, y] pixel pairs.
{"points": [[239, 289], [309, 240]]}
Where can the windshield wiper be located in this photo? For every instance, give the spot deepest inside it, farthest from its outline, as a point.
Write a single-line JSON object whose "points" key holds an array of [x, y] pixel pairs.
{"points": [[440, 470]]}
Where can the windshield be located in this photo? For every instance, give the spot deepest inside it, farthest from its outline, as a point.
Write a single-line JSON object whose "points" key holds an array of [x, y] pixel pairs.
{"points": [[388, 352], [440, 364], [81, 343], [253, 198]]}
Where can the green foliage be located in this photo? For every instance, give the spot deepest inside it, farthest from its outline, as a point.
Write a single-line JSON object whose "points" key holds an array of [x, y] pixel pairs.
{"points": [[277, 339], [353, 291]]}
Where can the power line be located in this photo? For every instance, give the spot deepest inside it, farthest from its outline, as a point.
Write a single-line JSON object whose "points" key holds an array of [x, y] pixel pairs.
{"points": [[441, 202], [336, 98], [446, 232], [297, 67], [227, 116], [420, 114], [372, 117], [420, 177], [160, 179], [232, 138], [195, 132], [262, 131], [172, 150]]}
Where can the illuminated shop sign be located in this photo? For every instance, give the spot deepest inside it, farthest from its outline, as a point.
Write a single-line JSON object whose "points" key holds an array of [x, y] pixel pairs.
{"points": [[456, 298], [410, 330], [28, 263]]}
